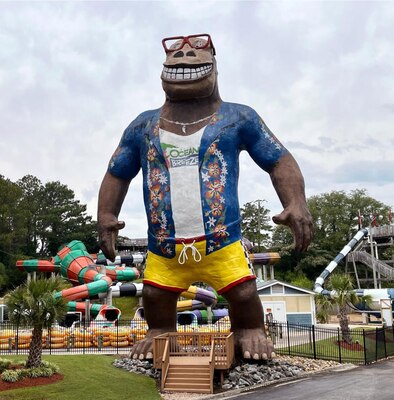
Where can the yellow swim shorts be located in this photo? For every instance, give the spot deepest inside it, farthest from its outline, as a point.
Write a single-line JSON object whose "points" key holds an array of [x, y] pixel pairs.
{"points": [[221, 269]]}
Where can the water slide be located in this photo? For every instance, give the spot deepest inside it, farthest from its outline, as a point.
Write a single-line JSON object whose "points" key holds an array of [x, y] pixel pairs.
{"points": [[90, 275], [94, 276], [377, 295]]}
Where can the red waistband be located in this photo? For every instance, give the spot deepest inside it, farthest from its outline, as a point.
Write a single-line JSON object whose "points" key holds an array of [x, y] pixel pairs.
{"points": [[190, 240]]}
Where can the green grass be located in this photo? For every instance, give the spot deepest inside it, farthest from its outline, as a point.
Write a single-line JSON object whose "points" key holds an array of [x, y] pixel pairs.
{"points": [[88, 377], [128, 306]]}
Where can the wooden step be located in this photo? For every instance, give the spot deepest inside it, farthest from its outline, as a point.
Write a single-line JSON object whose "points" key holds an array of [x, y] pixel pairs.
{"points": [[185, 375], [190, 387], [190, 371], [178, 379], [188, 378]]}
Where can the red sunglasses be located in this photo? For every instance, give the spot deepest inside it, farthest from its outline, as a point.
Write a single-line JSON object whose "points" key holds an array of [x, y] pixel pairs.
{"points": [[200, 41]]}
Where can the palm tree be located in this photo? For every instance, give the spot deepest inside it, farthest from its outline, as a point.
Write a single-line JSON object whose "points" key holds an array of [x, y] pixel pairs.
{"points": [[342, 294], [33, 304]]}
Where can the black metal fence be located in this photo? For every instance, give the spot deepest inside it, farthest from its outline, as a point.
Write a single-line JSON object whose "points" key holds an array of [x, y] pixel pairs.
{"points": [[366, 346], [81, 338]]}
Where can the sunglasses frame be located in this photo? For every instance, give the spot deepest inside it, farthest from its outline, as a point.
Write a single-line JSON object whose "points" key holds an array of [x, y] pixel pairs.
{"points": [[185, 39]]}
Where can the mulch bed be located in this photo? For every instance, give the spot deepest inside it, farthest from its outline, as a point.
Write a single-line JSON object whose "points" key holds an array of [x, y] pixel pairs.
{"points": [[350, 346], [28, 382]]}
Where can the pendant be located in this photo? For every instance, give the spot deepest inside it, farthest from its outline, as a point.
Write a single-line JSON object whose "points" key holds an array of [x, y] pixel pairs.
{"points": [[184, 128]]}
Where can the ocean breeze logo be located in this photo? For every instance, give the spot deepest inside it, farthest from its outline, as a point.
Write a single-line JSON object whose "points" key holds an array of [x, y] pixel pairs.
{"points": [[178, 157]]}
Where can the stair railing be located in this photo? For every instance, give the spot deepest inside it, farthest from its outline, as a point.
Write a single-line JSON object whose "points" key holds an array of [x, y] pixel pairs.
{"points": [[165, 364], [211, 364]]}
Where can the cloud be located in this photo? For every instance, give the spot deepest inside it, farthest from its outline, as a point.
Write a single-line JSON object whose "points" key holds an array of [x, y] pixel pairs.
{"points": [[73, 75]]}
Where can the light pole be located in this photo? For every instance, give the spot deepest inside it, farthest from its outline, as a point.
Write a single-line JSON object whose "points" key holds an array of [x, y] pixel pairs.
{"points": [[258, 223]]}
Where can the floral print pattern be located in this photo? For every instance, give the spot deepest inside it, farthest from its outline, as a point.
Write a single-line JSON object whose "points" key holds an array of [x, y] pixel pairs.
{"points": [[159, 197], [213, 174]]}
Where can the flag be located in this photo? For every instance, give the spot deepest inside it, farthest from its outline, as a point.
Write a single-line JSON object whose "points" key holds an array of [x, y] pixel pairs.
{"points": [[360, 220], [373, 222]]}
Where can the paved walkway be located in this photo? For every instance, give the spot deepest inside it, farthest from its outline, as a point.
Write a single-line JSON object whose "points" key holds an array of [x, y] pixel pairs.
{"points": [[371, 382]]}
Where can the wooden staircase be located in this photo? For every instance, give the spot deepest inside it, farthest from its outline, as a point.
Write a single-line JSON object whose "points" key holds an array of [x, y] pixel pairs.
{"points": [[188, 360], [188, 374]]}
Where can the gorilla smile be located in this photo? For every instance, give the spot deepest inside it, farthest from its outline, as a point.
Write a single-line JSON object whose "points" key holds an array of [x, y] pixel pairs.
{"points": [[186, 73]]}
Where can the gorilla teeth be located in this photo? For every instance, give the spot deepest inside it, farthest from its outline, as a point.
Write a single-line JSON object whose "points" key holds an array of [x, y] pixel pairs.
{"points": [[179, 73]]}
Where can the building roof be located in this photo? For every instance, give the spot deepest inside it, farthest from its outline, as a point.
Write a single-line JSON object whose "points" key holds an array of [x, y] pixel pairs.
{"points": [[261, 285]]}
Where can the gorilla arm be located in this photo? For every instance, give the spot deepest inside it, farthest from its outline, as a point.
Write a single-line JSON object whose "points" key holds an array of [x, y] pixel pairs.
{"points": [[289, 184], [112, 193]]}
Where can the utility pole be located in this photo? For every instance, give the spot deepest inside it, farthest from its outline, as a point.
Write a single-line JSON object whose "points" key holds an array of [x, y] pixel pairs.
{"points": [[258, 223]]}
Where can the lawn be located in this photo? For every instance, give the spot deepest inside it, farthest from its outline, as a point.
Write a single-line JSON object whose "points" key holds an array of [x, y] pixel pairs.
{"points": [[127, 305], [87, 377]]}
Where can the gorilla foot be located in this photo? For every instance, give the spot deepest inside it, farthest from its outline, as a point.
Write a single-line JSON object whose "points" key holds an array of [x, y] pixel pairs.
{"points": [[252, 344], [143, 349]]}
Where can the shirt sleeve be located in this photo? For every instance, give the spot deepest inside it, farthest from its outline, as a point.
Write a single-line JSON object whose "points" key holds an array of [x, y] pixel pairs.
{"points": [[125, 163], [261, 144]]}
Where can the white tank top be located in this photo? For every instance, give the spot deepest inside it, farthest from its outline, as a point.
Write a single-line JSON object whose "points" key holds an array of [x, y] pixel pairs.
{"points": [[181, 153]]}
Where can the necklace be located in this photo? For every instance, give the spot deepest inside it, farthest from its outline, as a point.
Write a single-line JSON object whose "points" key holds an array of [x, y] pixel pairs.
{"points": [[185, 124]]}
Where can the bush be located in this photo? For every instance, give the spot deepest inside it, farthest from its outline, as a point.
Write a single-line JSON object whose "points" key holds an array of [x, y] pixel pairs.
{"points": [[4, 364], [10, 375]]}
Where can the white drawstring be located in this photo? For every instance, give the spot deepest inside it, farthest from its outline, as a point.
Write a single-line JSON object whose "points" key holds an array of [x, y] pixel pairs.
{"points": [[183, 254]]}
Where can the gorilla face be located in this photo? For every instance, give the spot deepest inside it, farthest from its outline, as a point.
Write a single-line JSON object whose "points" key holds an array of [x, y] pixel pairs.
{"points": [[190, 68]]}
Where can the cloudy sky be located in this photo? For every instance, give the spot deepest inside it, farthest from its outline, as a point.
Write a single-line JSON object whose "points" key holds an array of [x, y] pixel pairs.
{"points": [[321, 74]]}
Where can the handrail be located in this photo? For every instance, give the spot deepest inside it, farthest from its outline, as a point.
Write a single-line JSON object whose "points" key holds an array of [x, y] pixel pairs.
{"points": [[158, 348], [211, 364], [165, 364]]}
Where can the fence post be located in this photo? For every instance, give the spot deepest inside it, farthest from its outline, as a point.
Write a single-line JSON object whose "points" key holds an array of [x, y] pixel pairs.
{"points": [[49, 334], [288, 336], [376, 342], [314, 342], [84, 335], [339, 346], [17, 338], [365, 348], [384, 342], [117, 338]]}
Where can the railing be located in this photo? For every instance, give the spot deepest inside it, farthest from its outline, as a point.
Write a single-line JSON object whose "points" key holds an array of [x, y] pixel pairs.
{"points": [[165, 364], [84, 338], [211, 365], [368, 344], [219, 346]]}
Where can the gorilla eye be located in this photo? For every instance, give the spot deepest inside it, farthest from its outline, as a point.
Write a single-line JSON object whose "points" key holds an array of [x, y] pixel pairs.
{"points": [[198, 44]]}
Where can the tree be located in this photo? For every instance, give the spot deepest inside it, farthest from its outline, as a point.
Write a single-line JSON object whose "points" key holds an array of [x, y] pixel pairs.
{"points": [[35, 220], [256, 224], [62, 219], [294, 267], [34, 304], [31, 206], [53, 217], [342, 294], [12, 231], [335, 216]]}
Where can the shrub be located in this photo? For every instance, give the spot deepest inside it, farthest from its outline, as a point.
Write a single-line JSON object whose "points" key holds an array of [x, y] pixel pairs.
{"points": [[4, 364], [11, 375]]}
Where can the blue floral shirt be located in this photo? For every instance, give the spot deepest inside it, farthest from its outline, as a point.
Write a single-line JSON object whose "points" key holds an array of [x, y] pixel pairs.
{"points": [[233, 128]]}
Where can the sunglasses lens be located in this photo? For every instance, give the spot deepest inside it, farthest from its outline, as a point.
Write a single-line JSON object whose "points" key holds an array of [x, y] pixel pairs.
{"points": [[199, 42], [173, 44]]}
